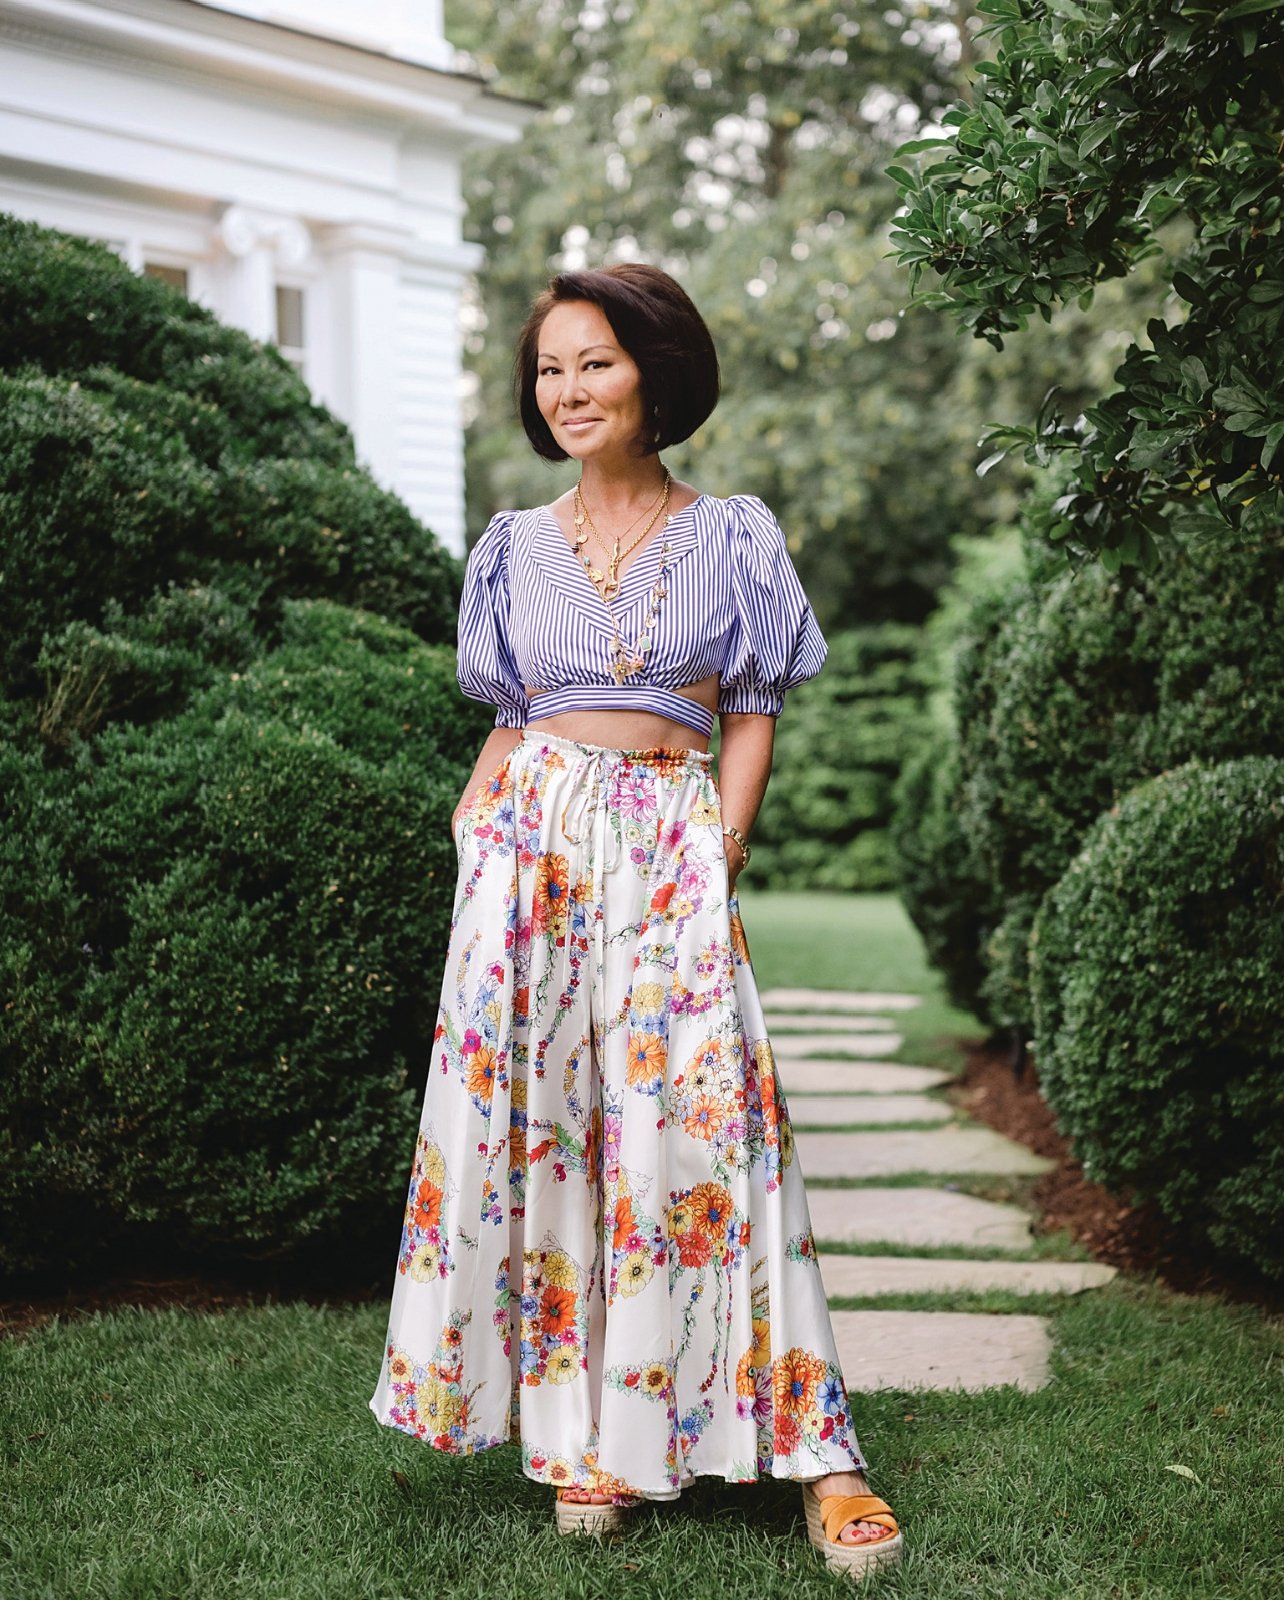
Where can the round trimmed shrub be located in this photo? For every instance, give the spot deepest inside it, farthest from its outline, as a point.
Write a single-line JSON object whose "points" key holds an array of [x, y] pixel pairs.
{"points": [[221, 938], [1096, 682], [1157, 980]]}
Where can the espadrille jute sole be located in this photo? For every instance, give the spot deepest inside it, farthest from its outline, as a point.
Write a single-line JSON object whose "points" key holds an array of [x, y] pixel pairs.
{"points": [[856, 1560], [578, 1516]]}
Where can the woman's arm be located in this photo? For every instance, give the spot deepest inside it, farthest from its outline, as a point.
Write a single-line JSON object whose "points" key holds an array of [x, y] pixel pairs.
{"points": [[499, 743], [744, 767]]}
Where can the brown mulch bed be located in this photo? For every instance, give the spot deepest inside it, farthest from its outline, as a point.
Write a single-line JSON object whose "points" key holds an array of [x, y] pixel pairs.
{"points": [[21, 1312], [1135, 1240]]}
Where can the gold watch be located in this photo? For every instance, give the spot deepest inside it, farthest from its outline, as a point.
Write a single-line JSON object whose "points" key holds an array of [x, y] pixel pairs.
{"points": [[740, 839]]}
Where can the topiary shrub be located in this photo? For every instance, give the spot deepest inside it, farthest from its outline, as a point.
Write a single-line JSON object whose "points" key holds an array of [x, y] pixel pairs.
{"points": [[945, 894], [1157, 980], [221, 937], [842, 743], [1095, 682]]}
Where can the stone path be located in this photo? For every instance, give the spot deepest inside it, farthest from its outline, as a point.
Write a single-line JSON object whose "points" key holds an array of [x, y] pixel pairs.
{"points": [[859, 1118]]}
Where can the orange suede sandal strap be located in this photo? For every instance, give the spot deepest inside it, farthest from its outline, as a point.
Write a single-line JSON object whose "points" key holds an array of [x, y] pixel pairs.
{"points": [[837, 1510]]}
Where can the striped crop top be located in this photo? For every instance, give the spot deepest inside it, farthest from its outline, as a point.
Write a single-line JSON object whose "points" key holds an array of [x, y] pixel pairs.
{"points": [[530, 617]]}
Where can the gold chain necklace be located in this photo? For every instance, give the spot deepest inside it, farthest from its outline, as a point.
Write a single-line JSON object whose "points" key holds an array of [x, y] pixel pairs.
{"points": [[608, 582]]}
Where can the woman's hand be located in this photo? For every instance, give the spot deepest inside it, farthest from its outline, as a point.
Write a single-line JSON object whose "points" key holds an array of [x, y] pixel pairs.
{"points": [[735, 860]]}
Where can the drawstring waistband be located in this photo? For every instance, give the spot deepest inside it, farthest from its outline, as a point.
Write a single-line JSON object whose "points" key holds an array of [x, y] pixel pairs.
{"points": [[599, 760]]}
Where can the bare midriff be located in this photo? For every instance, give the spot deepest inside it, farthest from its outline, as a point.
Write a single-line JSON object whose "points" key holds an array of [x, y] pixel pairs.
{"points": [[630, 730]]}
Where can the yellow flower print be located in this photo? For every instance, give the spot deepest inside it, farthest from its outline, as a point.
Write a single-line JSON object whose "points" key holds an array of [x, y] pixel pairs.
{"points": [[559, 1269], [635, 1273], [560, 1471], [494, 1011], [436, 1405], [400, 1367], [702, 814], [681, 1218], [648, 998], [786, 1141], [424, 1262], [434, 1165], [760, 1349], [655, 1377], [517, 1089], [562, 1366]]}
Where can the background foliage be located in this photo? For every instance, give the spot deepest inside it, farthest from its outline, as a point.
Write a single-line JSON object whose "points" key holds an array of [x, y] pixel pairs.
{"points": [[1094, 134]]}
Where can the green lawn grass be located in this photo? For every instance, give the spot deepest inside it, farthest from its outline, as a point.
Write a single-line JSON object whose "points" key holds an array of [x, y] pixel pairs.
{"points": [[157, 1454]]}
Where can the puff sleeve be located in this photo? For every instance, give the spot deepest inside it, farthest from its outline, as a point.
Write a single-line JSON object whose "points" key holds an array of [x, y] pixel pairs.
{"points": [[484, 665], [775, 640]]}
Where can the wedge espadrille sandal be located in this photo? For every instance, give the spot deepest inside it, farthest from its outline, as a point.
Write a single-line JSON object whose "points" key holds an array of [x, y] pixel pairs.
{"points": [[827, 1518], [582, 1516]]}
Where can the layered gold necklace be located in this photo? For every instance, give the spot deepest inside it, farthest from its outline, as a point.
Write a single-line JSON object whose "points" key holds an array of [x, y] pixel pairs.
{"points": [[628, 658]]}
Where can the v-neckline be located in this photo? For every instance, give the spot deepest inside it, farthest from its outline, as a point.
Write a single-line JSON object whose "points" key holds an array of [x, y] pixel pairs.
{"points": [[623, 599]]}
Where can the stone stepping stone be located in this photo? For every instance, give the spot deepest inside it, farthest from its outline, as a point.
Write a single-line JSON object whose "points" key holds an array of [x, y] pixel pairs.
{"points": [[813, 1022], [915, 1219], [868, 1110], [968, 1350], [857, 1077], [871, 1275], [836, 1000], [790, 1046], [943, 1150]]}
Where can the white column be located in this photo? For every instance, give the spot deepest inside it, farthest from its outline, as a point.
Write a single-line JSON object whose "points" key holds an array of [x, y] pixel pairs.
{"points": [[254, 243], [363, 274]]}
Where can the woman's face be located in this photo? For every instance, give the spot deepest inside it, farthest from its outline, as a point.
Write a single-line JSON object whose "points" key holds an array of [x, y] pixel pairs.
{"points": [[588, 388]]}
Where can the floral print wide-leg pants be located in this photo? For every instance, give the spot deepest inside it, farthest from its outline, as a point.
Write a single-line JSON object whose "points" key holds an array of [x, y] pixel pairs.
{"points": [[606, 1251]]}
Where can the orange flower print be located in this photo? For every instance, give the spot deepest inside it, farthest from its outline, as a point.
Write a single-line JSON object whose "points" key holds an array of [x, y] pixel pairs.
{"points": [[739, 944], [556, 1310], [694, 1249], [552, 891], [794, 1377], [623, 1221], [660, 899], [646, 1060], [427, 1206], [711, 1210], [481, 1071], [705, 1117]]}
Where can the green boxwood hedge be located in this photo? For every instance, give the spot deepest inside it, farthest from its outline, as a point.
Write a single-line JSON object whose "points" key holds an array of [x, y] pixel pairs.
{"points": [[1157, 978], [230, 742], [842, 743], [221, 938], [1092, 683]]}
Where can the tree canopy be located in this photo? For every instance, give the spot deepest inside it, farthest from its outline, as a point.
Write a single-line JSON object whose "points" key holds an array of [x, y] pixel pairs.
{"points": [[1100, 136]]}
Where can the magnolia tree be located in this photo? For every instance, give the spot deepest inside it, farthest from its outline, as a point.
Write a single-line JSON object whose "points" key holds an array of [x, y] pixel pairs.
{"points": [[1098, 136]]}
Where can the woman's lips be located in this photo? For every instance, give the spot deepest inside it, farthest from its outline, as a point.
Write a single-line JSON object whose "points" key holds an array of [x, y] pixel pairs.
{"points": [[581, 422]]}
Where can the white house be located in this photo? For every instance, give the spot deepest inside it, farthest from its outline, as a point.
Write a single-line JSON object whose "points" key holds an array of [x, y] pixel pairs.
{"points": [[295, 167]]}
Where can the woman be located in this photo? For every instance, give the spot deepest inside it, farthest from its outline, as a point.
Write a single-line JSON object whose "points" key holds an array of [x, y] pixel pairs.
{"points": [[606, 1250]]}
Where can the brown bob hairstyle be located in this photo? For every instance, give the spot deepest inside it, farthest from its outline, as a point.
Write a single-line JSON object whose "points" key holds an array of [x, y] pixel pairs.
{"points": [[656, 322]]}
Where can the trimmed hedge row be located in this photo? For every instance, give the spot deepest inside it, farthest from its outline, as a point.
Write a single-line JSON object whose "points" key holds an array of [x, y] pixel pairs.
{"points": [[1157, 974], [843, 742]]}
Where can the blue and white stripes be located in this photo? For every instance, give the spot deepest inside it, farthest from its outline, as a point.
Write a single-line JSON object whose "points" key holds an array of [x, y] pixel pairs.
{"points": [[530, 619]]}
